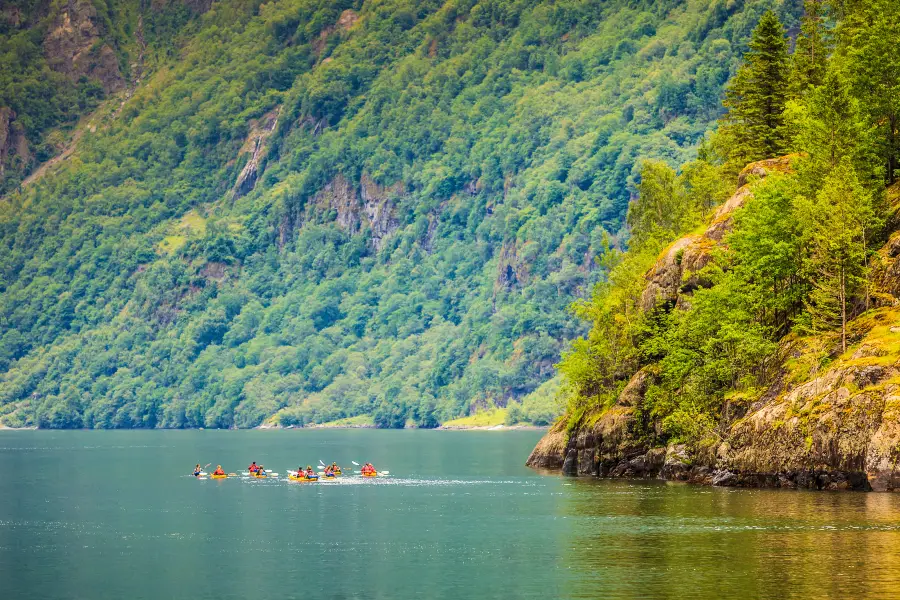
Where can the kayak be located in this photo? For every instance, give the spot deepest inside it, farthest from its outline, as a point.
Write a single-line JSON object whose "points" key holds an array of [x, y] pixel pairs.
{"points": [[303, 478], [375, 474], [214, 476], [258, 476]]}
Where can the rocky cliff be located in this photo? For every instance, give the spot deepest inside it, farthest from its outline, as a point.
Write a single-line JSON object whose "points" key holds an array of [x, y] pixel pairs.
{"points": [[832, 427]]}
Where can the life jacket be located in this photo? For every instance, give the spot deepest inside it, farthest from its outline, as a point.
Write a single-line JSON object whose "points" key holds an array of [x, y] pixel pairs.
{"points": [[218, 472], [253, 468]]}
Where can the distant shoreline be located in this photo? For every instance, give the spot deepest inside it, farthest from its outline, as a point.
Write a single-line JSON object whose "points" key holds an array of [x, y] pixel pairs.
{"points": [[280, 428]]}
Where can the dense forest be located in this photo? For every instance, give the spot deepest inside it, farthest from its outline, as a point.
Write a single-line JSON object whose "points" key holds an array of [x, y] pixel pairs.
{"points": [[306, 211], [773, 319]]}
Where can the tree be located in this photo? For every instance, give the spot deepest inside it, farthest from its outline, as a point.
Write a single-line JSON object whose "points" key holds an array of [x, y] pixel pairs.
{"points": [[660, 210], [868, 40], [756, 97], [837, 221], [810, 59], [830, 127]]}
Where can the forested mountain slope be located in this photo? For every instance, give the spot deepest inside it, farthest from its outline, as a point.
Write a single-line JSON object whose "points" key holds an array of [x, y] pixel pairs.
{"points": [[318, 210], [757, 342]]}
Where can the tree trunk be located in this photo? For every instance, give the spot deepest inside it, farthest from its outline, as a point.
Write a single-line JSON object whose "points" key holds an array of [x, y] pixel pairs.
{"points": [[843, 310]]}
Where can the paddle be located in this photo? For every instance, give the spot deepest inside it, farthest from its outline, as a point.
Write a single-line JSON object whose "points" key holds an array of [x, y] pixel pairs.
{"points": [[355, 463]]}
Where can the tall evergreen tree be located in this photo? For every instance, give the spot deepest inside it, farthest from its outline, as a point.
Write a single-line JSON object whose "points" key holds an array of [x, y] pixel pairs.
{"points": [[832, 128], [810, 59], [756, 96], [838, 224], [868, 38]]}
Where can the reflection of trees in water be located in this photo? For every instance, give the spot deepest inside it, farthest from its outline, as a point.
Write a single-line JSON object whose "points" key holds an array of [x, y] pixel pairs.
{"points": [[658, 540]]}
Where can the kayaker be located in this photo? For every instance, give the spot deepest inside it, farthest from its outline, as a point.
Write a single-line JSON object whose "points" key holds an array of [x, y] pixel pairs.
{"points": [[329, 472], [335, 468], [218, 470], [197, 470], [368, 469], [309, 472], [253, 468]]}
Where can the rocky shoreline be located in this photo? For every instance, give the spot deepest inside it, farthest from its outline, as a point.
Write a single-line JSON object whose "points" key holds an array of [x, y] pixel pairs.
{"points": [[580, 457]]}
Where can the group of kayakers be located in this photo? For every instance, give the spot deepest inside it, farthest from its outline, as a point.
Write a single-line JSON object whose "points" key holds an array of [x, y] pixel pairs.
{"points": [[331, 470]]}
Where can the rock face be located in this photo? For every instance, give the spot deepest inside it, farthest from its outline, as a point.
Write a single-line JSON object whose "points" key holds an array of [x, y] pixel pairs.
{"points": [[833, 429], [676, 273], [354, 208], [74, 46], [260, 131]]}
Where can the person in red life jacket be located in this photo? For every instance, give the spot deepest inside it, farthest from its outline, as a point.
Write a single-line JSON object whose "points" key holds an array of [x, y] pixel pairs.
{"points": [[368, 469], [219, 470], [309, 472], [253, 468]]}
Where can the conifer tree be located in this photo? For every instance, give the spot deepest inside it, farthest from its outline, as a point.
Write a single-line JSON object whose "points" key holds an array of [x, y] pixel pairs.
{"points": [[831, 127], [838, 223], [757, 94], [868, 40], [810, 59]]}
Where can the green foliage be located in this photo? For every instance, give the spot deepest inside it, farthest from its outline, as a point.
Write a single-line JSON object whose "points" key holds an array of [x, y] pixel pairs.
{"points": [[441, 181], [867, 36], [840, 221], [812, 49], [757, 94], [796, 261]]}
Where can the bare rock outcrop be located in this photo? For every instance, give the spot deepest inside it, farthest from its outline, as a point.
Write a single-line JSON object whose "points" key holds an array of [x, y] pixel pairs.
{"points": [[353, 208], [256, 145], [379, 208], [676, 273], [74, 46]]}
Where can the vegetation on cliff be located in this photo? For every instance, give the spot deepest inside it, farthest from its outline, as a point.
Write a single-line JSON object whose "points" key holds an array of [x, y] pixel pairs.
{"points": [[770, 319], [314, 210]]}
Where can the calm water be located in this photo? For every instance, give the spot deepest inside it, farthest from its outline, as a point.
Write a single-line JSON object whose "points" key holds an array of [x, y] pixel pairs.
{"points": [[112, 515]]}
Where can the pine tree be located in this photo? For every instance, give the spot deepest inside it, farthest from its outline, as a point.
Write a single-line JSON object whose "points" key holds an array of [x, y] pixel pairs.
{"points": [[757, 94], [867, 39], [810, 59], [838, 224], [832, 128]]}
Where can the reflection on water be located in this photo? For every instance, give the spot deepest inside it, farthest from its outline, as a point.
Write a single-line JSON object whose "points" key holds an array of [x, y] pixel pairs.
{"points": [[659, 540], [112, 515]]}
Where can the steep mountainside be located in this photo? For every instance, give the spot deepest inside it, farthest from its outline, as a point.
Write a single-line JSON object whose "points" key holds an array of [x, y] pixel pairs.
{"points": [[316, 210]]}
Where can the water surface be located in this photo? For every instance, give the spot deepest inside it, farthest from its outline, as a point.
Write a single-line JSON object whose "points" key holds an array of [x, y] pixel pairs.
{"points": [[111, 515]]}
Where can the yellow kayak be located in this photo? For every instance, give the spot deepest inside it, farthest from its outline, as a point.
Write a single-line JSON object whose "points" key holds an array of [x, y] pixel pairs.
{"points": [[304, 478], [218, 476], [375, 474], [258, 476]]}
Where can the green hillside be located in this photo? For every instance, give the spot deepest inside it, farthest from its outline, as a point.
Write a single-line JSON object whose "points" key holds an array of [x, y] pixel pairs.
{"points": [[312, 210]]}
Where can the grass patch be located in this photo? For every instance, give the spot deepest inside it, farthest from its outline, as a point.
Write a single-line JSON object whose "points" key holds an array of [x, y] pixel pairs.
{"points": [[171, 244], [484, 418], [357, 421], [193, 223]]}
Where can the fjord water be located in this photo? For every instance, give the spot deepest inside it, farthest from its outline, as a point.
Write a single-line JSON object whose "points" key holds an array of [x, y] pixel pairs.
{"points": [[110, 515]]}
